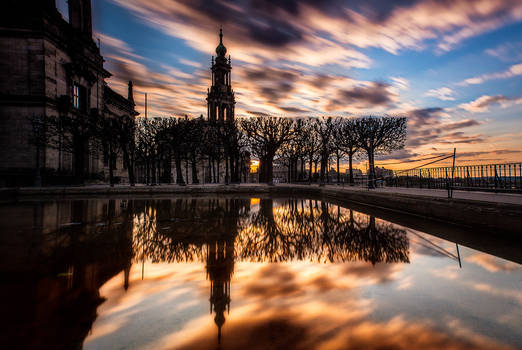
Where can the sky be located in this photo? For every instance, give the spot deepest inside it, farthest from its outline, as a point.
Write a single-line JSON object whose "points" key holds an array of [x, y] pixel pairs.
{"points": [[453, 67]]}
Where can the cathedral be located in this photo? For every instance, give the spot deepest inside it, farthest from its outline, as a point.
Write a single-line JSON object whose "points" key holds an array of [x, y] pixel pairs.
{"points": [[51, 67]]}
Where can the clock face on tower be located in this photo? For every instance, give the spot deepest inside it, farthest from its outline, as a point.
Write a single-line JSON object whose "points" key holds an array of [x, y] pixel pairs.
{"points": [[220, 99]]}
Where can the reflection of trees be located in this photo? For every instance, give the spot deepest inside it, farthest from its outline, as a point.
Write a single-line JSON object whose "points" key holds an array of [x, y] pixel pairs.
{"points": [[308, 230], [183, 229], [180, 230]]}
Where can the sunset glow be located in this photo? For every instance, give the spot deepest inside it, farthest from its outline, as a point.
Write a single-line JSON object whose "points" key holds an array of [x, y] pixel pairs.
{"points": [[453, 68]]}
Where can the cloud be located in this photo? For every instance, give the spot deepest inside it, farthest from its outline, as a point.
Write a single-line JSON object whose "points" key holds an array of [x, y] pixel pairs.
{"points": [[371, 95], [400, 83], [323, 32], [483, 103], [161, 88], [429, 126], [411, 24], [443, 93], [513, 71], [115, 45], [507, 52], [460, 124], [190, 63]]}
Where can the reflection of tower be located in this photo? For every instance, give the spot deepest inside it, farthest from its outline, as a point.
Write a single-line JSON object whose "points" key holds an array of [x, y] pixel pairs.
{"points": [[220, 266], [220, 99]]}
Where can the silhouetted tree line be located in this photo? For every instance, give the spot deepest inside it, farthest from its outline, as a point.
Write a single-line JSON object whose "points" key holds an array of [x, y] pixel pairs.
{"points": [[190, 143], [156, 146], [309, 142]]}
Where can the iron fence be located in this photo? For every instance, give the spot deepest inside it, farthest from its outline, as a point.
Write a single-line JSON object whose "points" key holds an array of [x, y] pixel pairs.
{"points": [[491, 177]]}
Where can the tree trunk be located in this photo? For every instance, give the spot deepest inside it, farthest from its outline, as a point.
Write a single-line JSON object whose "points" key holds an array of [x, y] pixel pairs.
{"points": [[310, 170], [167, 169], [218, 163], [213, 178], [195, 179], [179, 171], [130, 166], [371, 174], [226, 170], [338, 175], [209, 169], [324, 164], [186, 169], [350, 158], [147, 171], [111, 167]]}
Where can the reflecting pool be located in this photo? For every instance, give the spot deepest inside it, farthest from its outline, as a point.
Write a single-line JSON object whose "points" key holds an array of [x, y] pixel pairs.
{"points": [[250, 273]]}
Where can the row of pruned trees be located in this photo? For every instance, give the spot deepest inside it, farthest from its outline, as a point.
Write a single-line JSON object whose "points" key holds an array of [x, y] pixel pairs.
{"points": [[314, 141], [153, 145], [192, 144]]}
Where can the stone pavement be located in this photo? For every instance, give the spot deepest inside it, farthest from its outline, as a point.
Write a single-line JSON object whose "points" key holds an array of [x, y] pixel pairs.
{"points": [[511, 198], [507, 198]]}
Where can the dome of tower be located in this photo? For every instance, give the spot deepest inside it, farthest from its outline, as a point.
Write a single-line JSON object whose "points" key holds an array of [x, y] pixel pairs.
{"points": [[221, 50]]}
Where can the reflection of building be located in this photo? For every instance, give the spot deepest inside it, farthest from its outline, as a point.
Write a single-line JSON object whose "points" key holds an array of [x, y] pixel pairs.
{"points": [[52, 288], [51, 66], [220, 266]]}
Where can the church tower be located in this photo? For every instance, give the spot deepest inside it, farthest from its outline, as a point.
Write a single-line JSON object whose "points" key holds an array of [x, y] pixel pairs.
{"points": [[220, 98]]}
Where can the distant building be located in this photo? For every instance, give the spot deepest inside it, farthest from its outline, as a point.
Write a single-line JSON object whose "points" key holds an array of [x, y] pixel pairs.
{"points": [[51, 67], [356, 172], [280, 172], [381, 172]]}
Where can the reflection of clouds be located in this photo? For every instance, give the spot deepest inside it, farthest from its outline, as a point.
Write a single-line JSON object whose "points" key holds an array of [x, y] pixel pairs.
{"points": [[332, 329], [300, 303], [492, 263], [502, 292], [448, 272], [164, 290], [380, 273], [272, 281]]}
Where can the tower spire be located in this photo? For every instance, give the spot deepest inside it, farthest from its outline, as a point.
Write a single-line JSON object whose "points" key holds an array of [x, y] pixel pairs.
{"points": [[220, 97], [221, 50]]}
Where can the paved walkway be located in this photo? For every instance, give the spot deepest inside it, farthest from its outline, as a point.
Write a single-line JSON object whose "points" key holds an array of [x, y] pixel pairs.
{"points": [[243, 188], [511, 198]]}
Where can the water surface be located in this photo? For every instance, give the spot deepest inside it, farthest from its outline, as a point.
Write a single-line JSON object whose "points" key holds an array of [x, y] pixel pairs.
{"points": [[247, 273]]}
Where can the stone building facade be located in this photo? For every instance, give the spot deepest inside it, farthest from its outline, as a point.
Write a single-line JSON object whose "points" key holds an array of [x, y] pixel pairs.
{"points": [[51, 67]]}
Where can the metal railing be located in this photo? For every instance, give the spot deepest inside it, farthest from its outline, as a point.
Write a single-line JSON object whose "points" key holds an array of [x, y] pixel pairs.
{"points": [[491, 177]]}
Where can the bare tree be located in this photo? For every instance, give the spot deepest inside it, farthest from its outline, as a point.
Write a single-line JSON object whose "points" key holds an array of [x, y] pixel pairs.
{"points": [[379, 135], [107, 136], [147, 147], [74, 135], [346, 137], [324, 127], [178, 128], [311, 144], [266, 135]]}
